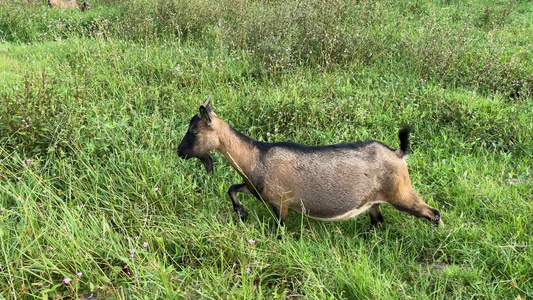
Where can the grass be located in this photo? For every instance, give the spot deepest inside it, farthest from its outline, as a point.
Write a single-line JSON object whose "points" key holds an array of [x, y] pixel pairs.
{"points": [[94, 105]]}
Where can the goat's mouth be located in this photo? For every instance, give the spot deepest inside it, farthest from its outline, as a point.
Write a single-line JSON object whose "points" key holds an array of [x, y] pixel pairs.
{"points": [[205, 159], [208, 162], [184, 155]]}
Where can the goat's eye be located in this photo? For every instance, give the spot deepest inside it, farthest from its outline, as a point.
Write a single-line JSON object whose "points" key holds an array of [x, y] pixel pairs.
{"points": [[194, 130]]}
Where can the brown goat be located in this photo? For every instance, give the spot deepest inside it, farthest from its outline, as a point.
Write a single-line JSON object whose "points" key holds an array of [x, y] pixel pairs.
{"points": [[329, 183], [69, 4]]}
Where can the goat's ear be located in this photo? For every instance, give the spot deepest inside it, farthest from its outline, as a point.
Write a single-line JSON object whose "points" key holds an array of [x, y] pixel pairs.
{"points": [[205, 115], [207, 104]]}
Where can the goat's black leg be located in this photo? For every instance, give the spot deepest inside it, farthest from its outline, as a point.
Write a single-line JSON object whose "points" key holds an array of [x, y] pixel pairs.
{"points": [[376, 217], [280, 217], [237, 207]]}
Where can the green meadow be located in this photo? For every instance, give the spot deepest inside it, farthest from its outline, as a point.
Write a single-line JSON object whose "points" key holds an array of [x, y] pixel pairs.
{"points": [[94, 199]]}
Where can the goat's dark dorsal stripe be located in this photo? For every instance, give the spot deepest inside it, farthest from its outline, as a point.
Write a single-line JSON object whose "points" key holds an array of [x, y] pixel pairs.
{"points": [[264, 147]]}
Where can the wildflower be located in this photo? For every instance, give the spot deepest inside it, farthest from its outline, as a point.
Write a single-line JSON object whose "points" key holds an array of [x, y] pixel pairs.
{"points": [[275, 130], [79, 274], [268, 133], [145, 244], [323, 109], [248, 270], [78, 253], [66, 280], [132, 252], [255, 263], [156, 189], [251, 242], [44, 192]]}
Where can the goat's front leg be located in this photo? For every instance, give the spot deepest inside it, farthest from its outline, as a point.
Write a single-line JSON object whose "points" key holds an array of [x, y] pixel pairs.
{"points": [[237, 207]]}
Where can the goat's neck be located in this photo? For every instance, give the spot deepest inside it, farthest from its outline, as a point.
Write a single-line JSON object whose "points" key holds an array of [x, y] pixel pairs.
{"points": [[238, 149]]}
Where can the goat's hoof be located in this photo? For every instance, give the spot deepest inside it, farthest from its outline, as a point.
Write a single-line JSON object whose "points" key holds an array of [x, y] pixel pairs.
{"points": [[376, 224], [242, 213], [376, 221], [437, 222]]}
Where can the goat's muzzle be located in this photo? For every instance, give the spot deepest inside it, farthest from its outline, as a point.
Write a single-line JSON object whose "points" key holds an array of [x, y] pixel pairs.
{"points": [[183, 154], [205, 159]]}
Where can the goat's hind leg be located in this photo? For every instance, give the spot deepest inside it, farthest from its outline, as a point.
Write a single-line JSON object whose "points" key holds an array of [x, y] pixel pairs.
{"points": [[376, 217], [237, 206], [412, 205]]}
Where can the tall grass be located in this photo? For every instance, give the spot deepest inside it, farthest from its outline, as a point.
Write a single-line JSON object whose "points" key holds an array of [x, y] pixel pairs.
{"points": [[475, 44], [94, 105]]}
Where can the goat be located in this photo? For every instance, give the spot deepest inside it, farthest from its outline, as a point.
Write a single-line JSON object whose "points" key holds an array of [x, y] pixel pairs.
{"points": [[69, 4], [328, 183]]}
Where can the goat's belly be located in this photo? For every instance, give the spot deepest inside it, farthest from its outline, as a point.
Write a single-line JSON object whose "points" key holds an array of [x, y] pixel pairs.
{"points": [[335, 200], [336, 216]]}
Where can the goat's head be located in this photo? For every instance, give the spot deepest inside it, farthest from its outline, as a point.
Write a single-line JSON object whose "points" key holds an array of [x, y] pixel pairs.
{"points": [[201, 137]]}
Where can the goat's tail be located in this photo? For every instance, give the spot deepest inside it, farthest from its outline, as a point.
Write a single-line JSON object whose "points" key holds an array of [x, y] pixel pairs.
{"points": [[403, 135]]}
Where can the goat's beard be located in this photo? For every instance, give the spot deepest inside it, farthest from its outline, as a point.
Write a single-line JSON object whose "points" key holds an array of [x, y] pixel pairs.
{"points": [[208, 162]]}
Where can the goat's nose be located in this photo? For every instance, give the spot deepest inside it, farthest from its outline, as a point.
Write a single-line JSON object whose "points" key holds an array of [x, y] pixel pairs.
{"points": [[182, 153]]}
